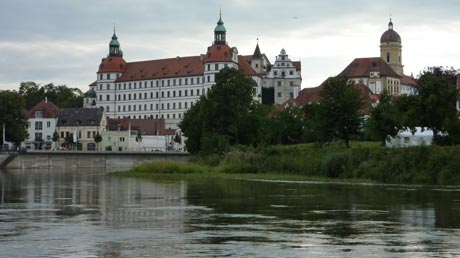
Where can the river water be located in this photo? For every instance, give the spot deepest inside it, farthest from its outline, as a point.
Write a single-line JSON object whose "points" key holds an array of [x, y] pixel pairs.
{"points": [[91, 214]]}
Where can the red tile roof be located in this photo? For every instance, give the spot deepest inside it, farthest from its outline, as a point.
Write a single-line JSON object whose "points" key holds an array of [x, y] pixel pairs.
{"points": [[112, 64], [310, 95], [297, 65], [245, 66], [49, 110], [218, 53], [361, 67], [408, 80], [163, 68], [147, 126]]}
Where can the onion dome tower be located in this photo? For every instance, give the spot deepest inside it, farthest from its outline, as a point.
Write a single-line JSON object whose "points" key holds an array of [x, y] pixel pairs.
{"points": [[391, 49], [220, 32], [114, 62]]}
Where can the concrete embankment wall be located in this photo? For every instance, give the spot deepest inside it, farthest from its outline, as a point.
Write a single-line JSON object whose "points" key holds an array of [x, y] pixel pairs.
{"points": [[111, 160]]}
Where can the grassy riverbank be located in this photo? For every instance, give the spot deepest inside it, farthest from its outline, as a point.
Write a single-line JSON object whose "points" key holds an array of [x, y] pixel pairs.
{"points": [[363, 162]]}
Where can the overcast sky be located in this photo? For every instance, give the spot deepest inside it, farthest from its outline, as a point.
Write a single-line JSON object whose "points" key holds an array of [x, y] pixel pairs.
{"points": [[63, 41]]}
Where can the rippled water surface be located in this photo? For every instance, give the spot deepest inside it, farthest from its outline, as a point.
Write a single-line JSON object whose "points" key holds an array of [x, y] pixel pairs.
{"points": [[90, 214]]}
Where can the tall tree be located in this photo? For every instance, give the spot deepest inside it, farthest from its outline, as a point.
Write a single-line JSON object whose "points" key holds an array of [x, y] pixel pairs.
{"points": [[12, 115], [438, 97], [338, 112], [62, 96], [221, 117], [383, 120]]}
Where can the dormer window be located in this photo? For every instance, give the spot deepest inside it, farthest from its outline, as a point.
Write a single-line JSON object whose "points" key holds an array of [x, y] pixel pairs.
{"points": [[91, 122], [39, 114]]}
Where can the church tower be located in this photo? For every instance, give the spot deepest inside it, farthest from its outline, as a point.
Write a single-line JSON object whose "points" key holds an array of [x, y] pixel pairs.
{"points": [[391, 49]]}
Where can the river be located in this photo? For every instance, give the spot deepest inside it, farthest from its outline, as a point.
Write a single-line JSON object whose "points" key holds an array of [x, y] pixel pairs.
{"points": [[91, 214]]}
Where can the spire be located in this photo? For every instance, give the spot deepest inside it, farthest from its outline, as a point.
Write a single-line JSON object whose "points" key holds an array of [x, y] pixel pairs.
{"points": [[390, 25], [114, 45], [257, 54], [220, 31]]}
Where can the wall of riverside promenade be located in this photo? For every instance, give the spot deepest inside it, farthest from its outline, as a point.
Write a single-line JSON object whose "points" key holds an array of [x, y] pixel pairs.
{"points": [[77, 159]]}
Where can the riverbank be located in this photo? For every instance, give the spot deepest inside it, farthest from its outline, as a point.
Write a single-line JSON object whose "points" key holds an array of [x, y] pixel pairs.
{"points": [[363, 162]]}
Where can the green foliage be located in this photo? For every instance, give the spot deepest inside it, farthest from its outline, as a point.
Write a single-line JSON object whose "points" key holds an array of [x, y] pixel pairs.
{"points": [[438, 96], [223, 117], [62, 96], [168, 167], [97, 138], [12, 115], [55, 136], [383, 120], [337, 115]]}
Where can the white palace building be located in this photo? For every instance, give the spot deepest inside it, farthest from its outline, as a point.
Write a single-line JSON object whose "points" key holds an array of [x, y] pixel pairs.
{"points": [[167, 88]]}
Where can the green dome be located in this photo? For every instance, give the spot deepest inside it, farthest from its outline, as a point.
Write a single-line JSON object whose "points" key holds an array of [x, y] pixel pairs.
{"points": [[91, 93], [220, 26], [114, 42]]}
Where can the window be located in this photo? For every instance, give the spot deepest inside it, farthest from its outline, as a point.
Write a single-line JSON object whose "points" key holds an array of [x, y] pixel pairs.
{"points": [[124, 96], [140, 95], [156, 94], [119, 108], [174, 105], [216, 67], [191, 81], [145, 84], [108, 86], [198, 80], [124, 86], [38, 136], [283, 73], [151, 106], [291, 72], [186, 105], [209, 78], [39, 114], [162, 94], [198, 92], [186, 81], [279, 94], [191, 92], [156, 106], [174, 116], [276, 73], [169, 82], [107, 109], [134, 107], [151, 95], [100, 76], [180, 105], [134, 85], [291, 94], [124, 108], [48, 124], [167, 105], [180, 82], [62, 133], [162, 106], [174, 82], [100, 97], [185, 93], [180, 93], [388, 57], [174, 93], [129, 96], [119, 97], [145, 95], [158, 83], [168, 94], [134, 96], [108, 76], [291, 83], [278, 83], [107, 97], [209, 67], [129, 85], [38, 125]]}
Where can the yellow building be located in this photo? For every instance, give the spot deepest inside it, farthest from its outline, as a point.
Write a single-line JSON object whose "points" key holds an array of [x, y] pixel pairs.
{"points": [[77, 128]]}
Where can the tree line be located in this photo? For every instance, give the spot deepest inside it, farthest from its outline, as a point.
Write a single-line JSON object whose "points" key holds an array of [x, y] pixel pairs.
{"points": [[229, 116], [14, 104]]}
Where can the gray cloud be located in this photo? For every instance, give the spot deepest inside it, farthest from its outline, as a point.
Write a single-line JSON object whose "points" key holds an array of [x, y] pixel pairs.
{"points": [[63, 41]]}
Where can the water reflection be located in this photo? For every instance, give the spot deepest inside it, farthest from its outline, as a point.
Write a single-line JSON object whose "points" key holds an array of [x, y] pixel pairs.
{"points": [[89, 214]]}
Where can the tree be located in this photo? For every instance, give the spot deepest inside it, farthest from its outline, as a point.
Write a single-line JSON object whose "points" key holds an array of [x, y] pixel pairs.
{"points": [[438, 97], [97, 139], [338, 111], [55, 138], [223, 114], [383, 120], [12, 115], [139, 138], [62, 96], [177, 138]]}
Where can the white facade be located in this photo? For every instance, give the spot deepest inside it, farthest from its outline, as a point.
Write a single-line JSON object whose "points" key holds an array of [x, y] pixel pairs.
{"points": [[41, 130], [284, 79], [407, 139]]}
